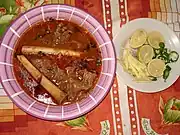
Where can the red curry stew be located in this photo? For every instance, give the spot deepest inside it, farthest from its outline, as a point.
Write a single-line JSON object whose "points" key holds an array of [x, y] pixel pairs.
{"points": [[57, 62]]}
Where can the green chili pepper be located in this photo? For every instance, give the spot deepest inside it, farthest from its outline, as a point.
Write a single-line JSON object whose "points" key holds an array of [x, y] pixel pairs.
{"points": [[161, 57], [161, 45], [167, 61], [161, 51], [166, 74], [165, 54], [168, 68], [174, 56], [165, 50]]}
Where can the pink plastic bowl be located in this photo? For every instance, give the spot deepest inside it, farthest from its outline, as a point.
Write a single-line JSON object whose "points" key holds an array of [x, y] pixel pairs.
{"points": [[48, 112]]}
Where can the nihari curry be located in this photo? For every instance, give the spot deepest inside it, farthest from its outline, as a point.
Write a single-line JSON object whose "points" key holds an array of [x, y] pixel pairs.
{"points": [[57, 62]]}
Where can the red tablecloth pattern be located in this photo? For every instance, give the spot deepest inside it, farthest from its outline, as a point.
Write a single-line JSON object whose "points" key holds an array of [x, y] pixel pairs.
{"points": [[124, 111]]}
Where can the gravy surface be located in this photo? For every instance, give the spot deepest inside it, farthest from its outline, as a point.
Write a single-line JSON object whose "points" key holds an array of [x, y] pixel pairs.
{"points": [[75, 76]]}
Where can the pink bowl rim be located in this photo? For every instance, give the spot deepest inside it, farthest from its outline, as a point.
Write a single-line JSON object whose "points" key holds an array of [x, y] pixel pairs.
{"points": [[92, 106]]}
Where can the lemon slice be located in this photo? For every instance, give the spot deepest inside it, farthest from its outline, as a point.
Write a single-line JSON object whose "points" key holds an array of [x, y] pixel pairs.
{"points": [[146, 43], [138, 38], [154, 38], [156, 67], [145, 54]]}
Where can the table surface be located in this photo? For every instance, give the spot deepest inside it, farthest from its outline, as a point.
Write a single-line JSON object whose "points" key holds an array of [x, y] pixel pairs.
{"points": [[124, 111]]}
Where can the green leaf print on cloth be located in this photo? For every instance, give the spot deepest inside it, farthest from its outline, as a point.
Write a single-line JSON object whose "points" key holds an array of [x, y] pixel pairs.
{"points": [[7, 13], [5, 19], [170, 111], [10, 9], [76, 122], [9, 5], [80, 123], [146, 125], [105, 127], [3, 28]]}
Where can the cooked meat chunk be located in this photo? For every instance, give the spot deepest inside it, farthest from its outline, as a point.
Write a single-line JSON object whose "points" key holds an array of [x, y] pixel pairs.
{"points": [[51, 70], [72, 81], [62, 34], [80, 81]]}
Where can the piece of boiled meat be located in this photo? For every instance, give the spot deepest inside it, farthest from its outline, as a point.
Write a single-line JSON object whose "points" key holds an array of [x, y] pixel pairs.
{"points": [[76, 82], [51, 70], [80, 81]]}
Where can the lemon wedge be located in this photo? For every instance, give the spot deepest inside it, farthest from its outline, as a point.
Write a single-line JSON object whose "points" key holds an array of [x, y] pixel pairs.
{"points": [[154, 38], [156, 67], [146, 43], [138, 38], [145, 54]]}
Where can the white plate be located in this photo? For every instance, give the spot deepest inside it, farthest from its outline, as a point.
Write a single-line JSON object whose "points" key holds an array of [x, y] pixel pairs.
{"points": [[171, 42]]}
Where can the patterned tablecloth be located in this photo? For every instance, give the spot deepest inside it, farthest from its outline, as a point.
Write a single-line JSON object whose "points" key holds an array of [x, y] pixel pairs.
{"points": [[124, 111]]}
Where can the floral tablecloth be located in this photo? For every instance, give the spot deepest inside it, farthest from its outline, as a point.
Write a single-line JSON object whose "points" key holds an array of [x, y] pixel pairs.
{"points": [[124, 111]]}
